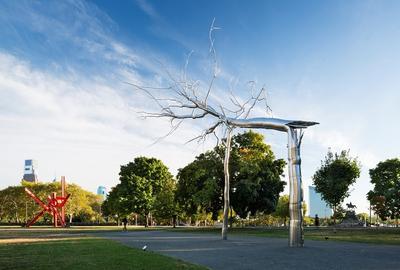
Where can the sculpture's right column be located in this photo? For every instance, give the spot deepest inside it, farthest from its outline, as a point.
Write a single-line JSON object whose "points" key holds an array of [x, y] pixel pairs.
{"points": [[296, 237]]}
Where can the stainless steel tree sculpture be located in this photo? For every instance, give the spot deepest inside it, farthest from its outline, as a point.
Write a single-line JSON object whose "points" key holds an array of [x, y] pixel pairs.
{"points": [[184, 100]]}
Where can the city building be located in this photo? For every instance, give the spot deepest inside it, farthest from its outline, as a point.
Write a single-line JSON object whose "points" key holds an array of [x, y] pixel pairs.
{"points": [[317, 206], [30, 171], [102, 191]]}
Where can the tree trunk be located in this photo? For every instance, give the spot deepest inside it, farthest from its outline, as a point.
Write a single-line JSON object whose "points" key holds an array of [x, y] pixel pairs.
{"points": [[70, 218], [334, 215], [147, 220], [226, 188], [230, 217]]}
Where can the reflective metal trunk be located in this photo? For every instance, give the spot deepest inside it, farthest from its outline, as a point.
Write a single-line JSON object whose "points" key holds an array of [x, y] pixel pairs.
{"points": [[227, 186], [296, 237]]}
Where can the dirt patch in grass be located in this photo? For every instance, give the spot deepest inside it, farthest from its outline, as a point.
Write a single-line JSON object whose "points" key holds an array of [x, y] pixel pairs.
{"points": [[19, 240]]}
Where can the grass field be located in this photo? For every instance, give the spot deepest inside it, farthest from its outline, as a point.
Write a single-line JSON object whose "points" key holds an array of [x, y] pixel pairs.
{"points": [[75, 249], [80, 248], [362, 235], [389, 236]]}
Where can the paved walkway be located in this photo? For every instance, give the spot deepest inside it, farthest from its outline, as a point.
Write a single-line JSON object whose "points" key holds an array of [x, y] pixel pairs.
{"points": [[248, 252]]}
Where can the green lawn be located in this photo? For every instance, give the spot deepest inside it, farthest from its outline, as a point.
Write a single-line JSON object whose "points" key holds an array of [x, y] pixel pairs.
{"points": [[364, 235], [389, 236], [35, 231], [79, 248], [83, 253]]}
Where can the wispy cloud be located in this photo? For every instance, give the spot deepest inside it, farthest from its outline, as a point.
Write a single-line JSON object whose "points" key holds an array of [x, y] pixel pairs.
{"points": [[148, 9], [41, 113], [79, 110]]}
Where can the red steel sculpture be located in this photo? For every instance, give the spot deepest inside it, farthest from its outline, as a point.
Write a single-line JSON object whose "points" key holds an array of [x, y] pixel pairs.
{"points": [[54, 205]]}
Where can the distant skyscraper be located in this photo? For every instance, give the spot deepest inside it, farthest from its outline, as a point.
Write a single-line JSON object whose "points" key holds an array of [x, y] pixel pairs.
{"points": [[102, 191], [29, 171], [317, 205]]}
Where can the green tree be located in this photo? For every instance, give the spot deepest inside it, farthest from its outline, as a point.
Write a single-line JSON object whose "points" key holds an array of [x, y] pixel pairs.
{"points": [[385, 197], [304, 208], [17, 206], [141, 182], [378, 204], [339, 213], [200, 185], [256, 175], [282, 208], [165, 206], [13, 204], [333, 179], [95, 202], [111, 206], [78, 203], [363, 217], [255, 178]]}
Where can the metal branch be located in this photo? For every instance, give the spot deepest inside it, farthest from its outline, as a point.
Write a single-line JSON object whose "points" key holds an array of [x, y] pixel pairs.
{"points": [[208, 131], [174, 127], [214, 57], [255, 100]]}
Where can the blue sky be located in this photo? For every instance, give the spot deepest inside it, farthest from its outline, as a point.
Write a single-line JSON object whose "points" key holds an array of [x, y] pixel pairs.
{"points": [[63, 100]]}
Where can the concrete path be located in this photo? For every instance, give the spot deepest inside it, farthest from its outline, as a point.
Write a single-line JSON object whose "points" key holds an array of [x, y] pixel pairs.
{"points": [[249, 252]]}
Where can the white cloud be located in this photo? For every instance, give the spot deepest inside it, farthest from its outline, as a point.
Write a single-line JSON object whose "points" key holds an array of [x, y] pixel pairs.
{"points": [[83, 128], [148, 9]]}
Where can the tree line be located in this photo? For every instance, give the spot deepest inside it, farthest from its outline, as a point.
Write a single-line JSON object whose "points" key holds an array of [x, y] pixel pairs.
{"points": [[147, 193], [339, 171], [17, 207], [147, 187]]}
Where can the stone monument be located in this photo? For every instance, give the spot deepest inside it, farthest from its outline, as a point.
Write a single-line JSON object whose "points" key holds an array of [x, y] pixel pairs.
{"points": [[350, 219]]}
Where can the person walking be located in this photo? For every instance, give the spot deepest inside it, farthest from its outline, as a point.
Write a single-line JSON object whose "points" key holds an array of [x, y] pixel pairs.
{"points": [[125, 222], [316, 221]]}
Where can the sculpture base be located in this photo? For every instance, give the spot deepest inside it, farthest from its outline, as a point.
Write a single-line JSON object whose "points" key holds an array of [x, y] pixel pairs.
{"points": [[350, 220]]}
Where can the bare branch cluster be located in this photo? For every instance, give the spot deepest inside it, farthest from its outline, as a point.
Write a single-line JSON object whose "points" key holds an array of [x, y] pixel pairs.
{"points": [[187, 99]]}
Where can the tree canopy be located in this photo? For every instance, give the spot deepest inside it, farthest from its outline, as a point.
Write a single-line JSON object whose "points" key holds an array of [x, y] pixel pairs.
{"points": [[16, 205], [282, 208], [255, 178], [385, 197], [200, 185], [141, 182], [336, 174], [256, 175]]}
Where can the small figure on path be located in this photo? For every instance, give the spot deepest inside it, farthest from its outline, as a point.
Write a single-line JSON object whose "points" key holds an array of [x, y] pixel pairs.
{"points": [[316, 220], [125, 221]]}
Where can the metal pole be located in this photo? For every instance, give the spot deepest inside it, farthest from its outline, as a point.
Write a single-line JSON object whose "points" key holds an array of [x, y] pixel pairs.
{"points": [[296, 238], [226, 188]]}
